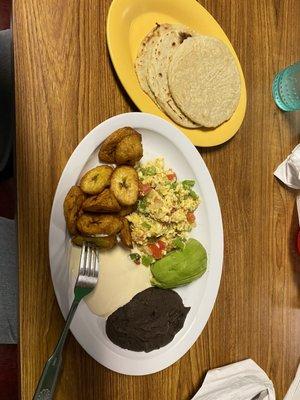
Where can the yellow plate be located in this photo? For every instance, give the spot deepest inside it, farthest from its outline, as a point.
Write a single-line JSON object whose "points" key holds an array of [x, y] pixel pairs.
{"points": [[129, 21]]}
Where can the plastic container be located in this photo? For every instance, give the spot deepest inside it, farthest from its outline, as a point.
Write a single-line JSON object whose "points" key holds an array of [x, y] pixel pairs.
{"points": [[286, 88]]}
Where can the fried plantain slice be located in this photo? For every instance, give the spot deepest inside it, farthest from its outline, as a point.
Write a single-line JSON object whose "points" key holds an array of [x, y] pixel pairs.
{"points": [[129, 150], [108, 146], [124, 185], [72, 207], [127, 210], [125, 234], [103, 242], [96, 179], [97, 224], [103, 202]]}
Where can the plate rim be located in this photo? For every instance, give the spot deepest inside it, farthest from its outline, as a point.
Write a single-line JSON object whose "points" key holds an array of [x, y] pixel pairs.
{"points": [[195, 136], [147, 121]]}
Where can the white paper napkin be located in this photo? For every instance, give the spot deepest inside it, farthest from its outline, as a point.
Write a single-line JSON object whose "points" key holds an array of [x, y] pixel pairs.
{"points": [[289, 170], [243, 380], [294, 390], [289, 173]]}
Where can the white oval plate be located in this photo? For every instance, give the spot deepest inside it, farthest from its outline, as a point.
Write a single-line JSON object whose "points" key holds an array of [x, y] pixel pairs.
{"points": [[160, 138]]}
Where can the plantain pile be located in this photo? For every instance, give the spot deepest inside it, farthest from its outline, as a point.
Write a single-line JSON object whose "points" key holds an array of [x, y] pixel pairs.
{"points": [[95, 209]]}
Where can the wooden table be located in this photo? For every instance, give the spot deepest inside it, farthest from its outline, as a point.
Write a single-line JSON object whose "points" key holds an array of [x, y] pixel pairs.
{"points": [[65, 85]]}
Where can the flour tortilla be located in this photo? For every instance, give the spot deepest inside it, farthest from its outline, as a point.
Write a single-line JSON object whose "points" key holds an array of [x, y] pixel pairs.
{"points": [[204, 80], [160, 51], [141, 62]]}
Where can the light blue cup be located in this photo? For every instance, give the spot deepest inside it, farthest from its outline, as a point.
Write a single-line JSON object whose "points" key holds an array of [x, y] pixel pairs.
{"points": [[286, 88]]}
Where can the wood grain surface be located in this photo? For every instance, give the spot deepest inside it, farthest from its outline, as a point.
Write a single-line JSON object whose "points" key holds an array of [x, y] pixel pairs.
{"points": [[65, 85]]}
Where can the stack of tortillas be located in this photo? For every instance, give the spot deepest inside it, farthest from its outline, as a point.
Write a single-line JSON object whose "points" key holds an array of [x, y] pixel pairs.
{"points": [[194, 79]]}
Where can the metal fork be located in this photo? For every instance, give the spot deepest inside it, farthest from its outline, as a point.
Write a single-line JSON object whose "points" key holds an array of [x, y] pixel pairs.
{"points": [[86, 281]]}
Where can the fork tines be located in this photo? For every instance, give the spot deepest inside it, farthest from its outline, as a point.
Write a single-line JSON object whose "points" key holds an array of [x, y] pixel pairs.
{"points": [[89, 265]]}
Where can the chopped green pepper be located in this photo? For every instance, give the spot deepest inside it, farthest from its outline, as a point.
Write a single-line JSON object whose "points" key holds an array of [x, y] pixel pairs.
{"points": [[147, 260], [193, 195], [142, 205], [149, 171], [134, 256], [188, 184]]}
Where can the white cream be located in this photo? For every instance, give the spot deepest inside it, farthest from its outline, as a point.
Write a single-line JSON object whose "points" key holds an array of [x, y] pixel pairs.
{"points": [[119, 280]]}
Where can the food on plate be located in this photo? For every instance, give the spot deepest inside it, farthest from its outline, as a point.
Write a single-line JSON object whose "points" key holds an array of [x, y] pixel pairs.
{"points": [[98, 224], [103, 242], [141, 62], [103, 202], [129, 150], [124, 185], [168, 38], [148, 322], [108, 146], [194, 79], [180, 267], [154, 213], [146, 208], [120, 280], [204, 80], [116, 142], [103, 190], [126, 210], [72, 207], [125, 234], [96, 180], [165, 210]]}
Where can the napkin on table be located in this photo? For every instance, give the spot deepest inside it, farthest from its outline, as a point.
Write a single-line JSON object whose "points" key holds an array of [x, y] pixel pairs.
{"points": [[289, 170], [289, 173], [294, 390], [243, 380]]}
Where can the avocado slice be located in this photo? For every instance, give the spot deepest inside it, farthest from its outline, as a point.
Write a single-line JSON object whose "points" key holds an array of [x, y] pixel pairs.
{"points": [[180, 267]]}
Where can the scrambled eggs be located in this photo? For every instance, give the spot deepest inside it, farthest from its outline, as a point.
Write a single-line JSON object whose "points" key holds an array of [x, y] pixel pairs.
{"points": [[165, 210]]}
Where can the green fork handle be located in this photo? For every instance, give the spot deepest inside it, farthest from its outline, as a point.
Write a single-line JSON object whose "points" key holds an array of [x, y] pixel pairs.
{"points": [[47, 382]]}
